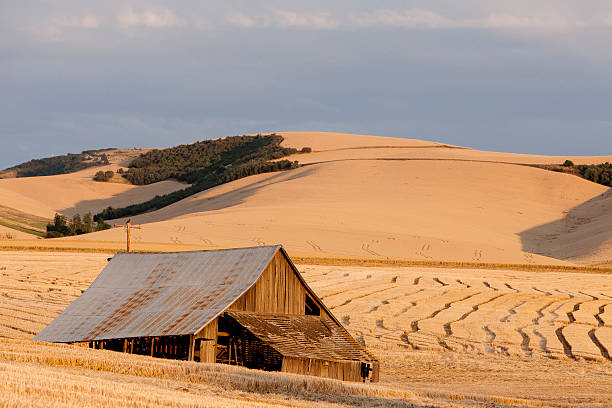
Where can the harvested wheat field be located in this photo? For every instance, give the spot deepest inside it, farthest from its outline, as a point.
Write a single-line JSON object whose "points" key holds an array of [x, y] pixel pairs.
{"points": [[343, 146], [388, 198], [444, 338], [519, 336], [360, 196]]}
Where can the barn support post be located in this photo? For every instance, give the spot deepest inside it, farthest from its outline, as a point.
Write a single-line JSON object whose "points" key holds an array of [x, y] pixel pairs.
{"points": [[191, 347], [375, 372], [152, 345]]}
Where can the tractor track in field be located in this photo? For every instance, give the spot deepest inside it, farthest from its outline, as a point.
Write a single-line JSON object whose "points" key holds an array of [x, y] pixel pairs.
{"points": [[567, 347], [511, 288], [18, 329], [541, 291], [414, 325], [448, 325], [404, 338], [554, 311], [540, 313], [512, 311], [602, 349], [437, 280], [543, 344], [459, 281], [525, 342], [488, 285], [600, 311]]}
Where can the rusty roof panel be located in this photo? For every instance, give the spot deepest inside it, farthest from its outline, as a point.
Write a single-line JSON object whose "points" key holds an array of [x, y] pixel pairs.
{"points": [[302, 336], [158, 294]]}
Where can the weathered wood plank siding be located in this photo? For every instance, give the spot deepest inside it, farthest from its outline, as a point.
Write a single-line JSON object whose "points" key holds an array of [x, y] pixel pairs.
{"points": [[376, 371], [278, 290], [208, 347], [340, 370]]}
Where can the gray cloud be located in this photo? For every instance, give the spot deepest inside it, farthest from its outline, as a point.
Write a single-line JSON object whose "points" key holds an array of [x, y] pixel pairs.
{"points": [[153, 17], [526, 77], [560, 15]]}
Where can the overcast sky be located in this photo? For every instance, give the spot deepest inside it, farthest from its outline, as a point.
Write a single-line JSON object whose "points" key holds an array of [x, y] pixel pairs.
{"points": [[519, 76]]}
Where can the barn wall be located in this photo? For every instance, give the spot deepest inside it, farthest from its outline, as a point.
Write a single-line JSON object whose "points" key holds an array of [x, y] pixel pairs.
{"points": [[375, 371], [339, 370], [278, 290], [208, 347]]}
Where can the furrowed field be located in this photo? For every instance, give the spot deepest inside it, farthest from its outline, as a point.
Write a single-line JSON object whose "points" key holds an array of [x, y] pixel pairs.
{"points": [[444, 337]]}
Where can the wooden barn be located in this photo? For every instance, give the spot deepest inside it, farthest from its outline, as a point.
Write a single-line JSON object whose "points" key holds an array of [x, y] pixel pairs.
{"points": [[244, 306]]}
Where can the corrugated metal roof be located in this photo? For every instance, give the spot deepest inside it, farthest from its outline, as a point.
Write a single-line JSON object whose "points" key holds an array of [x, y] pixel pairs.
{"points": [[159, 294], [302, 336]]}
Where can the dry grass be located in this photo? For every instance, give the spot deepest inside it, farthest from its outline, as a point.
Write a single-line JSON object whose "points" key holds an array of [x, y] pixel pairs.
{"points": [[27, 367], [481, 311], [106, 247], [331, 261], [73, 363], [113, 247], [214, 376], [226, 378], [542, 336], [422, 365], [38, 386]]}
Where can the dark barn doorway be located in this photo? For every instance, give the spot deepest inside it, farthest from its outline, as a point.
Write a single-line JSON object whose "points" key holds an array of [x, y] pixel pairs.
{"points": [[170, 347], [238, 346]]}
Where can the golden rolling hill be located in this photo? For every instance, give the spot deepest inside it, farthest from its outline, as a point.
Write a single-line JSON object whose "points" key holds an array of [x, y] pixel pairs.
{"points": [[362, 196]]}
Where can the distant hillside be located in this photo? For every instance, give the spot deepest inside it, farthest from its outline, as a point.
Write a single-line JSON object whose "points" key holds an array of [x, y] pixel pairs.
{"points": [[597, 173], [21, 221], [50, 166], [203, 164]]}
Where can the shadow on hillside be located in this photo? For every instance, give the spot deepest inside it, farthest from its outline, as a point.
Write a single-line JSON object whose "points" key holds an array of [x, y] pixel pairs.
{"points": [[128, 196], [560, 239], [193, 204]]}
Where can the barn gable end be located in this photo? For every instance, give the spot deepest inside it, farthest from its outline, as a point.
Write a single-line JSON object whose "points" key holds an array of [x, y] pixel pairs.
{"points": [[279, 289]]}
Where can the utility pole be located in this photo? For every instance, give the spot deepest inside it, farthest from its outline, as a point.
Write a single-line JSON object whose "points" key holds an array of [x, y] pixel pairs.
{"points": [[128, 227]]}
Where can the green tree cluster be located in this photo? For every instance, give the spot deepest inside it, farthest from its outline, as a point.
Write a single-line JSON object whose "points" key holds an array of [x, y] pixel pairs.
{"points": [[104, 175], [62, 227], [68, 163], [568, 163], [597, 173], [203, 164], [192, 163]]}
